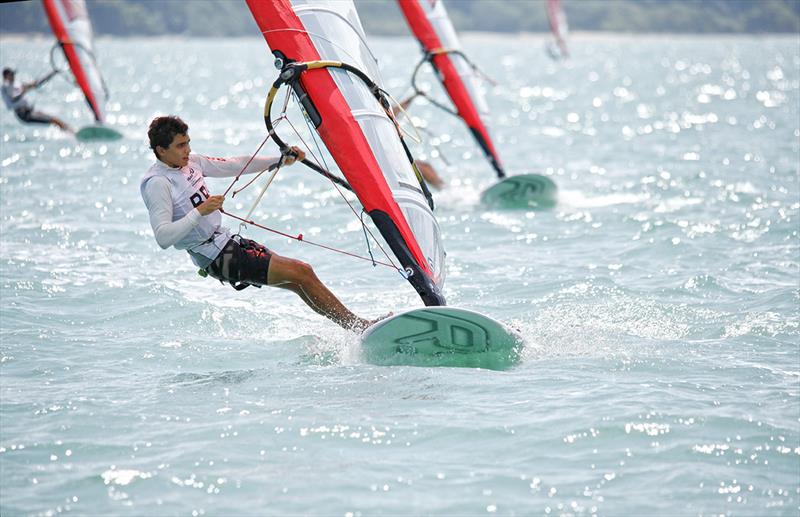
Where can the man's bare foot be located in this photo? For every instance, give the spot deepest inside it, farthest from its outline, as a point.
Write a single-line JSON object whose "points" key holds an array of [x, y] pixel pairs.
{"points": [[381, 318], [363, 324]]}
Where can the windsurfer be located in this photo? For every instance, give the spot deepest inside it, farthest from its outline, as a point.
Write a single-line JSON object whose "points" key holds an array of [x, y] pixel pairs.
{"points": [[185, 215], [14, 98]]}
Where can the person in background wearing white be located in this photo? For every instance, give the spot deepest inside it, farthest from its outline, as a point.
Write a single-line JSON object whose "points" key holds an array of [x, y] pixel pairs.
{"points": [[14, 99]]}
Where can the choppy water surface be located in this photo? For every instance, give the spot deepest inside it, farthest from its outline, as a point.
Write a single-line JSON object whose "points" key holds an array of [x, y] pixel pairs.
{"points": [[659, 299]]}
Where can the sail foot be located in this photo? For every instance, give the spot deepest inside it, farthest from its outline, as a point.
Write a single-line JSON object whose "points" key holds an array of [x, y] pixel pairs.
{"points": [[420, 279]]}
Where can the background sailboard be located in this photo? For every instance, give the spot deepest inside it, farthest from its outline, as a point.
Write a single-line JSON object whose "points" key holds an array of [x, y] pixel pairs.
{"points": [[69, 20], [460, 78]]}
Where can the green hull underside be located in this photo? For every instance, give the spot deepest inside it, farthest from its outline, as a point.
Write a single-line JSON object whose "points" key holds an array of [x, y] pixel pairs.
{"points": [[442, 336], [91, 133], [530, 191]]}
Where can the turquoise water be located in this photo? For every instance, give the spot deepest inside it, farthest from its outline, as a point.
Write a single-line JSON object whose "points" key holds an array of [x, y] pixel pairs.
{"points": [[659, 299]]}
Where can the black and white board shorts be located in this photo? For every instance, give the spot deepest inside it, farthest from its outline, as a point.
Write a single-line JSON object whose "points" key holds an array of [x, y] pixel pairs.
{"points": [[32, 117], [241, 263]]}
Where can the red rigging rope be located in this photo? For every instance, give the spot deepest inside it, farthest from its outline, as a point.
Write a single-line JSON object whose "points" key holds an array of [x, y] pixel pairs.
{"points": [[300, 238], [252, 157], [275, 168]]}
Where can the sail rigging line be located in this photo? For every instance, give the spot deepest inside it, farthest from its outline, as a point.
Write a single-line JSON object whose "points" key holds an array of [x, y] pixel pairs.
{"points": [[320, 156], [300, 238], [323, 170], [290, 75], [367, 232], [252, 157], [274, 168], [428, 58], [417, 137], [60, 45], [475, 68], [366, 239]]}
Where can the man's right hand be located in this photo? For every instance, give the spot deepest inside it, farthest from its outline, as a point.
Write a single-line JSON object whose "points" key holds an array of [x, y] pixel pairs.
{"points": [[211, 204]]}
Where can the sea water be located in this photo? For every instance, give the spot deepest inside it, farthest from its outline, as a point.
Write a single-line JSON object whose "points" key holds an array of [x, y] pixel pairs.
{"points": [[658, 299]]}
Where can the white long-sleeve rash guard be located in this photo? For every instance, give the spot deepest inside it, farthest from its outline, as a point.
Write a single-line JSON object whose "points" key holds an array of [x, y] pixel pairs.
{"points": [[158, 196]]}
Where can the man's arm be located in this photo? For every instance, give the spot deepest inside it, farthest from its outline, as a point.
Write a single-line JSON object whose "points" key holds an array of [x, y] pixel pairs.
{"points": [[229, 167], [25, 89], [158, 200]]}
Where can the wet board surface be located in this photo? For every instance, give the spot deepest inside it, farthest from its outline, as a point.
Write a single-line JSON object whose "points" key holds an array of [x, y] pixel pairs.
{"points": [[522, 191], [442, 336]]}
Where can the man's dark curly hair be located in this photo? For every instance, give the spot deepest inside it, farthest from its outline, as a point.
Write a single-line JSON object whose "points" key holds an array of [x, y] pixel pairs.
{"points": [[163, 130]]}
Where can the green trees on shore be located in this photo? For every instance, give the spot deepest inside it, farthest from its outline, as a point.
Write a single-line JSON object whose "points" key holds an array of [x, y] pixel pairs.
{"points": [[232, 18]]}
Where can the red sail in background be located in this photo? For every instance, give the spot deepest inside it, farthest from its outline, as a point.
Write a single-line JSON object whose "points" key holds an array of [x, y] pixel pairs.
{"points": [[431, 25], [558, 26], [69, 20]]}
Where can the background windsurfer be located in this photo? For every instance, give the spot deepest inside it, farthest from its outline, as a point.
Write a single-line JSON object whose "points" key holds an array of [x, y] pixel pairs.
{"points": [[185, 215], [14, 98]]}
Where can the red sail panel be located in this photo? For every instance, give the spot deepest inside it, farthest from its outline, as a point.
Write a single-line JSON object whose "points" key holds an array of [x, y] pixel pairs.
{"points": [[426, 34]]}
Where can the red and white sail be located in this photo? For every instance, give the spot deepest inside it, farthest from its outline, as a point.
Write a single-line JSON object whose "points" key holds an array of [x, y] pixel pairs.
{"points": [[433, 29], [559, 27], [70, 22], [356, 129]]}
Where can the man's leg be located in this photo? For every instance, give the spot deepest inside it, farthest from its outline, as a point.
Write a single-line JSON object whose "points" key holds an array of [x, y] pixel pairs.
{"points": [[61, 124], [37, 117], [300, 278]]}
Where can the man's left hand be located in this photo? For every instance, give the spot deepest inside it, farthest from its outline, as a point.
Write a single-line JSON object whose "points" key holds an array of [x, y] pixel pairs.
{"points": [[295, 155]]}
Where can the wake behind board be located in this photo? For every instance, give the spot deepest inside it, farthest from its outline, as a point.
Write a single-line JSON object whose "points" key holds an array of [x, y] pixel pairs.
{"points": [[523, 191], [98, 132], [441, 336]]}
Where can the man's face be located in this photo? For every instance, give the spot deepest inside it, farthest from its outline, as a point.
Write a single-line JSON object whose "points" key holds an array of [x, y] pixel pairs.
{"points": [[177, 154]]}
